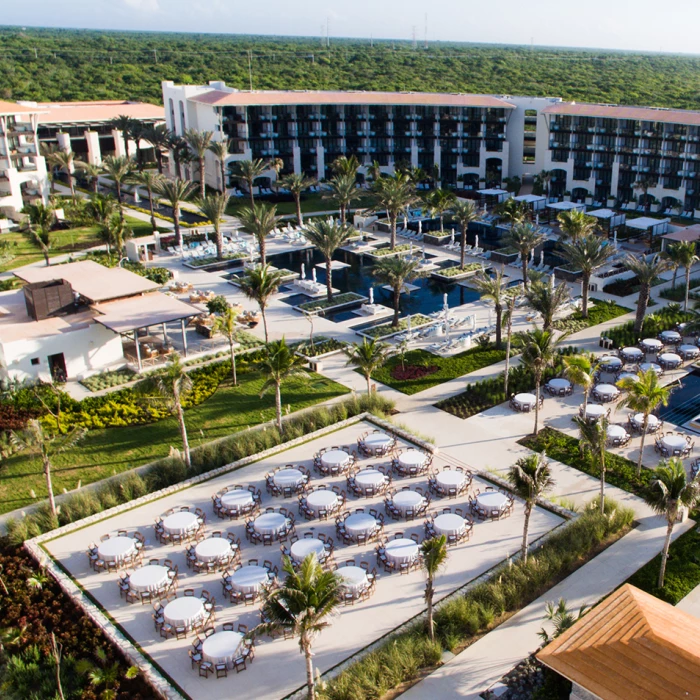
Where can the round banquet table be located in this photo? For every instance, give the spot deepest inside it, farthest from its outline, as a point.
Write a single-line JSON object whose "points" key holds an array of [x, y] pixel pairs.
{"points": [[401, 551], [148, 578], [652, 344], [370, 478], [184, 612], [492, 500], [670, 336], [450, 479], [302, 548], [180, 523], [212, 549], [628, 375], [674, 442], [594, 410], [616, 431], [116, 549], [646, 366], [526, 399], [288, 477], [360, 524], [449, 524], [323, 499], [632, 354], [670, 358], [222, 648], [354, 578], [559, 383], [638, 420], [236, 499], [269, 523], [610, 362], [689, 351], [249, 579], [403, 500], [378, 441], [412, 458], [607, 391], [335, 458]]}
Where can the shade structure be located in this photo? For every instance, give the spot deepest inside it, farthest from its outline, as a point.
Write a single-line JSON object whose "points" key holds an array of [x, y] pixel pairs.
{"points": [[153, 309]]}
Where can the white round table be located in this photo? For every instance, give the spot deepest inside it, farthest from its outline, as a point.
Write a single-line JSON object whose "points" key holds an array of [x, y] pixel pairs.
{"points": [[401, 551], [525, 399], [335, 458], [632, 354], [378, 441], [646, 366], [222, 648], [370, 478], [236, 499], [610, 362], [412, 458], [616, 431], [288, 477], [594, 410], [638, 420], [559, 384], [607, 391], [404, 500], [269, 523], [249, 579], [148, 578], [628, 375], [116, 549], [450, 479], [449, 524], [321, 500], [302, 548], [492, 500], [184, 612], [674, 442], [689, 351], [652, 344], [670, 358], [360, 524], [180, 523], [354, 578], [670, 336], [212, 549]]}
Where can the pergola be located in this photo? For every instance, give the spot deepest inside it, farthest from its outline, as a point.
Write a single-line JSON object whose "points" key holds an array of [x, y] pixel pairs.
{"points": [[612, 218], [566, 206], [534, 202], [497, 194], [646, 223], [689, 234]]}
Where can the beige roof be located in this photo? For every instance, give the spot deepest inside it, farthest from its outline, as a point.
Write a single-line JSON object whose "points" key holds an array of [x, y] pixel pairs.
{"points": [[650, 114], [631, 645], [689, 234], [245, 98], [91, 280], [139, 312], [7, 108], [70, 112]]}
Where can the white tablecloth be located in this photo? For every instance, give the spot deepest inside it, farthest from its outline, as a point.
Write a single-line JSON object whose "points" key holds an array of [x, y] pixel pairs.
{"points": [[610, 362], [212, 549], [608, 391], [354, 578], [525, 399], [288, 477], [302, 548], [670, 358], [628, 375], [369, 478], [376, 440], [670, 336], [180, 523], [323, 499], [646, 366], [616, 431], [116, 549], [269, 523], [638, 420], [335, 458], [674, 442], [689, 350], [249, 579], [236, 499], [222, 647], [360, 524], [450, 479], [449, 524], [412, 458], [594, 410], [632, 354], [651, 344], [401, 551], [184, 612], [148, 578], [404, 500], [559, 383], [491, 500]]}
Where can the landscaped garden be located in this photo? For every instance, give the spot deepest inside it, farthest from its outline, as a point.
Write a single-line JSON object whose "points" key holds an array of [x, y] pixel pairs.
{"points": [[337, 300], [598, 312], [320, 346], [625, 287], [678, 293], [663, 320], [385, 329], [107, 380]]}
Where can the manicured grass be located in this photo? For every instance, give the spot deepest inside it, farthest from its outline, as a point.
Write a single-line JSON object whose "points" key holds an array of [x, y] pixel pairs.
{"points": [[113, 450], [598, 312], [447, 367], [309, 203]]}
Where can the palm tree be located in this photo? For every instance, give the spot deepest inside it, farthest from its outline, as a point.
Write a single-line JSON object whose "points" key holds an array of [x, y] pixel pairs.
{"points": [[92, 174], [35, 440], [644, 395], [297, 184], [464, 212], [276, 165], [303, 606], [524, 238], [64, 161], [434, 553], [280, 363], [259, 284], [545, 177], [547, 301], [673, 255], [594, 439], [396, 271], [226, 325], [249, 171], [687, 257], [530, 478], [575, 224], [100, 209], [181, 152], [124, 124], [261, 221], [493, 289], [511, 212], [561, 617], [343, 190], [116, 231], [580, 370], [328, 236], [647, 271], [643, 184], [137, 131], [512, 294], [199, 142], [118, 168], [159, 137], [41, 220], [539, 354], [213, 207], [221, 150], [104, 674], [368, 356], [345, 165], [175, 192], [439, 202], [394, 194], [151, 181], [374, 171]]}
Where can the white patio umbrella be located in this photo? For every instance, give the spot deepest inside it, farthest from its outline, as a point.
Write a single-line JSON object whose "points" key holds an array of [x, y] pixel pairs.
{"points": [[420, 227], [446, 311], [537, 219], [542, 257], [313, 274], [615, 238], [405, 223], [303, 271], [452, 237], [371, 295]]}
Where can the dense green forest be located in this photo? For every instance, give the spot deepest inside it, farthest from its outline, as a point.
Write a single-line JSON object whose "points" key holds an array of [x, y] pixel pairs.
{"points": [[54, 64]]}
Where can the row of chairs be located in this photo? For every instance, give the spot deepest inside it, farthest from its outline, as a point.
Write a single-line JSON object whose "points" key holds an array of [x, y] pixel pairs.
{"points": [[413, 470], [452, 539], [220, 670]]}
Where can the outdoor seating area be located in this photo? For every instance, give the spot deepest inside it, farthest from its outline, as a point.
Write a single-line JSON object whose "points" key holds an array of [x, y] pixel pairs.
{"points": [[180, 525], [450, 482], [411, 462], [525, 402], [233, 502], [558, 386], [674, 445]]}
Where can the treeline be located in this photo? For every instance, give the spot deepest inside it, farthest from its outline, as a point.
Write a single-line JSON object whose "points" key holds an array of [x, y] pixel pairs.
{"points": [[51, 64]]}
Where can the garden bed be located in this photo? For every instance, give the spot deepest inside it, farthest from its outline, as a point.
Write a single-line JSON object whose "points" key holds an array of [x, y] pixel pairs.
{"points": [[456, 272], [213, 263], [386, 252], [107, 380], [678, 294], [337, 302], [322, 347], [598, 312], [386, 330], [664, 319]]}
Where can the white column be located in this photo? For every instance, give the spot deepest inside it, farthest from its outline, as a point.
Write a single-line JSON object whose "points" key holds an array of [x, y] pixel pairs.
{"points": [[64, 141], [94, 149], [414, 153], [296, 155], [320, 162], [119, 147]]}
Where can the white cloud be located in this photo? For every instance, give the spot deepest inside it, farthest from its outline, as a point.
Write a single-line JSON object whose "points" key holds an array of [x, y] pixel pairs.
{"points": [[149, 6]]}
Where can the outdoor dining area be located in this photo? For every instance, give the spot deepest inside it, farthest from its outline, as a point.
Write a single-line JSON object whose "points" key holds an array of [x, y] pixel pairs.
{"points": [[359, 527], [450, 482], [358, 582], [455, 526], [400, 554], [411, 462], [219, 652], [674, 445], [180, 525], [334, 460], [636, 423], [617, 435], [604, 393], [214, 553], [593, 412], [559, 386], [369, 481], [274, 525], [236, 501], [287, 481], [375, 444], [116, 552], [525, 402], [184, 615], [321, 502], [154, 581], [491, 504], [407, 503], [246, 583]]}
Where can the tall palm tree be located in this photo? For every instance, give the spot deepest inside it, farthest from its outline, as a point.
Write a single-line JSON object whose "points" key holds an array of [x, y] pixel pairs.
{"points": [[276, 165], [91, 173], [159, 137], [464, 212], [213, 207], [280, 363], [687, 257], [586, 253], [670, 491], [261, 221], [647, 271], [123, 123], [439, 202], [37, 441], [297, 184], [328, 236], [346, 165], [368, 356], [100, 209], [594, 439], [343, 191], [221, 150], [249, 171], [150, 181], [434, 551], [575, 224], [175, 192], [394, 194], [512, 294], [673, 255], [137, 131], [41, 220], [580, 370], [180, 151], [643, 395], [226, 325], [304, 606], [530, 478], [547, 300], [116, 231], [493, 289], [524, 238], [374, 171], [118, 168], [260, 284], [199, 142], [545, 177], [539, 354], [396, 271], [511, 212], [64, 161]]}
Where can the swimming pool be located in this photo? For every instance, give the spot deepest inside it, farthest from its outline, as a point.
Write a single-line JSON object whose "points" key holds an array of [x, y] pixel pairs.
{"points": [[684, 403]]}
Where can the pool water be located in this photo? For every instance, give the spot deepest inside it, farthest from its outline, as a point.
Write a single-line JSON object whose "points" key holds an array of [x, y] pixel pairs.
{"points": [[684, 403]]}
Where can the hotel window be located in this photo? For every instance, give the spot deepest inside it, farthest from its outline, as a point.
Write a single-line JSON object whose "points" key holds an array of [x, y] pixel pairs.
{"points": [[172, 113], [183, 123]]}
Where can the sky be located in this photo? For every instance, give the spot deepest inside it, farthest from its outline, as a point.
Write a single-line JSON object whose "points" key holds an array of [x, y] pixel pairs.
{"points": [[613, 24]]}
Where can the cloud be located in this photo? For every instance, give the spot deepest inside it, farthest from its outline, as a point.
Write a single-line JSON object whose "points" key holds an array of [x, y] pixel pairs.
{"points": [[149, 6]]}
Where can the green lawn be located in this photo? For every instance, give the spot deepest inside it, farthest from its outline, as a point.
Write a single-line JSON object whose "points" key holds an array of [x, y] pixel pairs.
{"points": [[309, 203], [113, 450]]}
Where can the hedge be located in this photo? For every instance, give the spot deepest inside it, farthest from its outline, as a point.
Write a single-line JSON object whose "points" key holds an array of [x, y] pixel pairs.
{"points": [[663, 319], [678, 293]]}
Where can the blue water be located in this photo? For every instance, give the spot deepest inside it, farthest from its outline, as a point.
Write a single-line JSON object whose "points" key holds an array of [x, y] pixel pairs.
{"points": [[684, 403]]}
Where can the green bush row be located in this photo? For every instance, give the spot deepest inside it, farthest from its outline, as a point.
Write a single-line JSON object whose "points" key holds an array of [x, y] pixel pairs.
{"points": [[599, 312], [664, 319], [678, 292]]}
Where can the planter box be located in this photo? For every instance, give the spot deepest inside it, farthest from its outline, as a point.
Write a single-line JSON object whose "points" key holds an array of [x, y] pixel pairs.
{"points": [[432, 239], [218, 264], [455, 278], [357, 298], [568, 275], [503, 258], [398, 331]]}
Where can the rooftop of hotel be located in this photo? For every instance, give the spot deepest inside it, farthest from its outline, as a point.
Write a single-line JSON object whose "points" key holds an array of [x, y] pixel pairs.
{"points": [[12, 108], [650, 114], [97, 111]]}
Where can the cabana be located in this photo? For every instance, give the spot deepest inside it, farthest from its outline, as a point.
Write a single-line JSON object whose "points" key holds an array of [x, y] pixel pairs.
{"points": [[494, 194], [689, 234], [534, 202], [612, 219], [566, 206], [645, 224]]}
